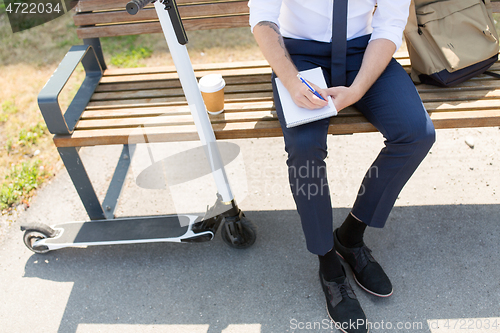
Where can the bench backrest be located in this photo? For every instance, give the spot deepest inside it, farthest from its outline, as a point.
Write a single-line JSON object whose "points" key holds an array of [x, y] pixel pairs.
{"points": [[108, 18]]}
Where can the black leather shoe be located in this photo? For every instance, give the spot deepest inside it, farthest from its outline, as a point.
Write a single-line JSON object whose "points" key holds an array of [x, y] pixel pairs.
{"points": [[343, 306], [368, 273]]}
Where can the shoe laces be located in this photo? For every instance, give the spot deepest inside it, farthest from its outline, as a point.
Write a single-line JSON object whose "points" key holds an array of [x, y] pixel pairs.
{"points": [[363, 256], [345, 291]]}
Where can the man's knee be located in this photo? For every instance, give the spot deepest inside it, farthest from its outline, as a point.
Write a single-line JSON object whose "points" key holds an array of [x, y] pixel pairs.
{"points": [[420, 135], [303, 147], [425, 136]]}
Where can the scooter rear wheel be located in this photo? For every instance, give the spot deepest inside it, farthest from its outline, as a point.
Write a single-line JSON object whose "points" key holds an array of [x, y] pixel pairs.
{"points": [[31, 237], [33, 233]]}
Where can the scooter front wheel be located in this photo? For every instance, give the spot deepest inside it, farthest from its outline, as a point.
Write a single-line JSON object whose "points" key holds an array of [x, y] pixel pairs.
{"points": [[239, 234]]}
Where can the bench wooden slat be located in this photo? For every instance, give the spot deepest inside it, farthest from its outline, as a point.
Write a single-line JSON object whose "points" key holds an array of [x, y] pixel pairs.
{"points": [[154, 27], [466, 119], [486, 84], [196, 67], [167, 100], [175, 83], [103, 5], [151, 111], [161, 92], [96, 5], [172, 110], [199, 74], [173, 120], [149, 14], [460, 96], [463, 105]]}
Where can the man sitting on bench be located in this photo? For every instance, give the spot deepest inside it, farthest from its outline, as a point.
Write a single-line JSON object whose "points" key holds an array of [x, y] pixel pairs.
{"points": [[354, 46]]}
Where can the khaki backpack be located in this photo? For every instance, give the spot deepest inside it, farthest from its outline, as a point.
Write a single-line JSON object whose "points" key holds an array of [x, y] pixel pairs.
{"points": [[450, 41]]}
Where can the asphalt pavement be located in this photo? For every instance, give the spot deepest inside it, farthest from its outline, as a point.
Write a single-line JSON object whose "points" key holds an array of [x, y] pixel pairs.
{"points": [[440, 248]]}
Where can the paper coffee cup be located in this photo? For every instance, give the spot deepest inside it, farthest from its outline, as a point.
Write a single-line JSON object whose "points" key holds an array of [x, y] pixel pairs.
{"points": [[212, 90]]}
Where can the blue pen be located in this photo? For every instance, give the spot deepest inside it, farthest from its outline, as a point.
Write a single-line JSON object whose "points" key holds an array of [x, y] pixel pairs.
{"points": [[309, 86]]}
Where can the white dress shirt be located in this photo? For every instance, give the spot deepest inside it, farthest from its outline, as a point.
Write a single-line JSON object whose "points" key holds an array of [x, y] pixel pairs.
{"points": [[312, 19]]}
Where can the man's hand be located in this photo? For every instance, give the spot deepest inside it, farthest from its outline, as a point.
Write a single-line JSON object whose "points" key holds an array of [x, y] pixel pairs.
{"points": [[304, 97], [343, 96], [377, 56]]}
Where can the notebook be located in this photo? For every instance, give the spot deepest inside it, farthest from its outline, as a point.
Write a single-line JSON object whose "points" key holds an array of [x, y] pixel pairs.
{"points": [[295, 115]]}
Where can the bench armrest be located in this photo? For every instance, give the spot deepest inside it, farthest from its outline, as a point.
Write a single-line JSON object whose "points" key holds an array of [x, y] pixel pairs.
{"points": [[64, 123]]}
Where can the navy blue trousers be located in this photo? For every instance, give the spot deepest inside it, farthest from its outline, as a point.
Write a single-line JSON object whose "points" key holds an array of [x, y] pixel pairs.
{"points": [[392, 105]]}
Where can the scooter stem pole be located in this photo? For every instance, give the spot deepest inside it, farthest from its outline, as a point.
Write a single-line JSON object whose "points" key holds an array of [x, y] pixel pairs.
{"points": [[192, 92]]}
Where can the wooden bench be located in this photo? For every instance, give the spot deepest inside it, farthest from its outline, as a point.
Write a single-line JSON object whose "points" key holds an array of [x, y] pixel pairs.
{"points": [[113, 102]]}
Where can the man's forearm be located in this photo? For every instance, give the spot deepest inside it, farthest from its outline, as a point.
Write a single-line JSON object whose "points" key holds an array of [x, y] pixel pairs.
{"points": [[273, 47], [377, 56], [271, 43]]}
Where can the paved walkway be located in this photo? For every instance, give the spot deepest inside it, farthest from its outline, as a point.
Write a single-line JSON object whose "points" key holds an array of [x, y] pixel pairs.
{"points": [[440, 247]]}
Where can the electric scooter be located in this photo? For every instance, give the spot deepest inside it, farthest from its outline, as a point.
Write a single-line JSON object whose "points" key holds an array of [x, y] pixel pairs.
{"points": [[237, 230]]}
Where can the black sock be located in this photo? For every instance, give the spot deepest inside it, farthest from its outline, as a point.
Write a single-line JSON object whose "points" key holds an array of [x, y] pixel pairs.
{"points": [[330, 265], [350, 233]]}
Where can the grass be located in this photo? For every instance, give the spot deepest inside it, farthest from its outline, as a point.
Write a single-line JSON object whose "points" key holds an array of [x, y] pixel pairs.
{"points": [[131, 57], [22, 181], [7, 109], [27, 60], [29, 137]]}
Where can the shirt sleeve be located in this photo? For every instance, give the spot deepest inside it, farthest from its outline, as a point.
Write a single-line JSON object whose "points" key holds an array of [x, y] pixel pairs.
{"points": [[264, 10], [389, 20]]}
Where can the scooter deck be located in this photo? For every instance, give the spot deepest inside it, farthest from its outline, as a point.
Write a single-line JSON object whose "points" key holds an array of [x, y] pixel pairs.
{"points": [[122, 229]]}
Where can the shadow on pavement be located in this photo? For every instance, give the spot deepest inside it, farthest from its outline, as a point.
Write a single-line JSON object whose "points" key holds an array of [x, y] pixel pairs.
{"points": [[443, 261]]}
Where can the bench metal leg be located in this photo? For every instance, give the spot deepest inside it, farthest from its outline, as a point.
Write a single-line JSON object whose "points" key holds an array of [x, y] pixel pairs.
{"points": [[96, 45], [115, 187], [82, 183]]}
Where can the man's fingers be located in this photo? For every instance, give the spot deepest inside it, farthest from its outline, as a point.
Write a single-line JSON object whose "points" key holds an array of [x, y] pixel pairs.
{"points": [[311, 101], [305, 102], [315, 101], [322, 92], [305, 98]]}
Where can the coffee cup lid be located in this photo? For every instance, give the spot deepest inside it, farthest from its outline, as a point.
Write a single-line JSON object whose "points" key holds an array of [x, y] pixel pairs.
{"points": [[211, 83]]}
